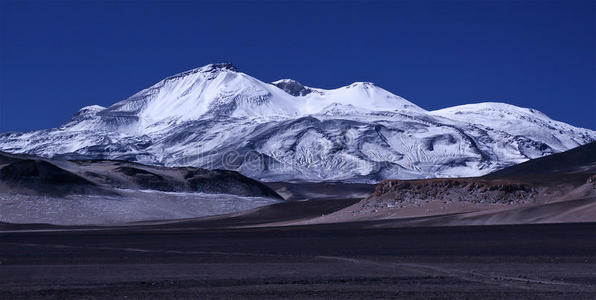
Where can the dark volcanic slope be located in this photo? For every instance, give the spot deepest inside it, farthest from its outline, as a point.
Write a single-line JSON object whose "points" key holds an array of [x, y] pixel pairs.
{"points": [[581, 159], [32, 175], [28, 174]]}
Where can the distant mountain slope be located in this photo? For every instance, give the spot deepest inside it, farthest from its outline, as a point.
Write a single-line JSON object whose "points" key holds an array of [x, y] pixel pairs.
{"points": [[46, 176], [216, 117]]}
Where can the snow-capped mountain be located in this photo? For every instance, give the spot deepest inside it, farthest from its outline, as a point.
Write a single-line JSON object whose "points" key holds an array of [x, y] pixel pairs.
{"points": [[218, 117]]}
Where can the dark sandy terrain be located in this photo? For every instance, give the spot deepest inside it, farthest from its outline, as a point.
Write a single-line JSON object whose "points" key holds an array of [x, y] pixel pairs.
{"points": [[324, 261]]}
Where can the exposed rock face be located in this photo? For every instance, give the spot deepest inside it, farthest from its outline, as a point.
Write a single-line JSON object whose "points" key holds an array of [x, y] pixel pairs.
{"points": [[395, 192], [293, 87]]}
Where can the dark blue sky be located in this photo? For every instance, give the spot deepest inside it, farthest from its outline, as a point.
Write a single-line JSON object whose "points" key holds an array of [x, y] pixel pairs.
{"points": [[59, 56]]}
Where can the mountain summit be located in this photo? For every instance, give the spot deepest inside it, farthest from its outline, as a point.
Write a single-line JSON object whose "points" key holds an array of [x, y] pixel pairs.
{"points": [[217, 117]]}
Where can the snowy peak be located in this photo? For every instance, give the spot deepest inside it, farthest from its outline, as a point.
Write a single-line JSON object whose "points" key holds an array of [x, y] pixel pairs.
{"points": [[496, 114], [367, 95], [361, 84], [210, 68], [220, 91], [287, 131], [494, 107], [214, 90], [520, 122], [219, 66]]}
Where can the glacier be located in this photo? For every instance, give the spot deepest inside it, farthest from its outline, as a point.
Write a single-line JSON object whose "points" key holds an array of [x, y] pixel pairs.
{"points": [[218, 117]]}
